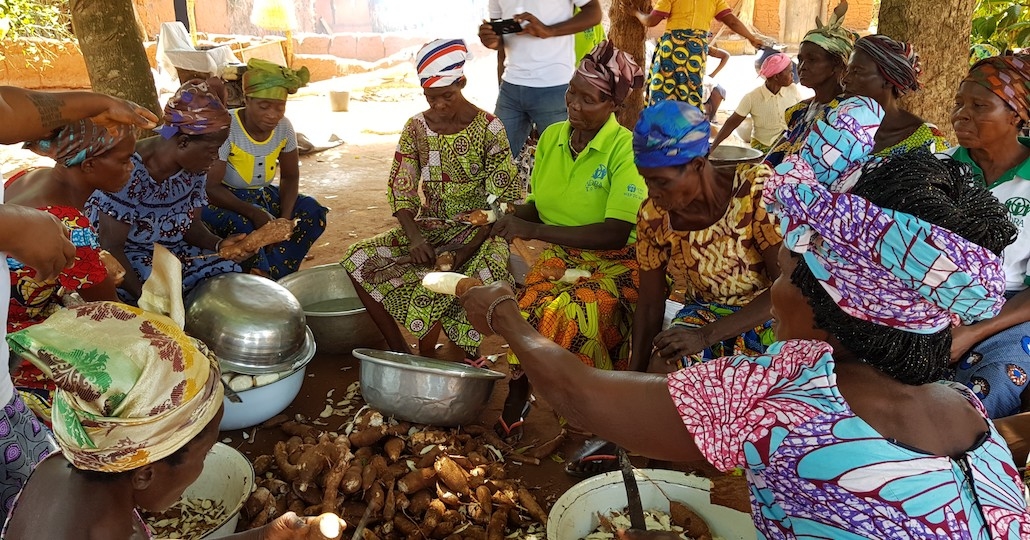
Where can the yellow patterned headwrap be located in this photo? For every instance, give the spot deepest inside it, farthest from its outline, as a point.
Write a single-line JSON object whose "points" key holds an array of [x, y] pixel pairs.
{"points": [[265, 80], [132, 388]]}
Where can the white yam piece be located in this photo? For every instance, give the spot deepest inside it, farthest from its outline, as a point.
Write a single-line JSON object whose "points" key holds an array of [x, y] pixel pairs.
{"points": [[443, 282]]}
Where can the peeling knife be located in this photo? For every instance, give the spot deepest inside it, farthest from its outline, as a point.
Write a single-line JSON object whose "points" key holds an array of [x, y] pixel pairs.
{"points": [[636, 508]]}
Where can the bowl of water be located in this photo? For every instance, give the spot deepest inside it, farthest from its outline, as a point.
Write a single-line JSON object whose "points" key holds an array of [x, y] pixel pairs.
{"points": [[333, 310]]}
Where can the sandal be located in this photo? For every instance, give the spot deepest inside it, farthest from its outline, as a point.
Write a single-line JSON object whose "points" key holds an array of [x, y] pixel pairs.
{"points": [[597, 456], [511, 433]]}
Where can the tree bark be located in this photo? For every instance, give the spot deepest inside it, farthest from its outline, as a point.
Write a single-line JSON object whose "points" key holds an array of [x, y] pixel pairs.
{"points": [[627, 34], [112, 47], [939, 32]]}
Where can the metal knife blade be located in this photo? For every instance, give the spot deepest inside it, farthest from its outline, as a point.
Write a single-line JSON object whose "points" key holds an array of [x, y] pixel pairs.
{"points": [[360, 529], [636, 508]]}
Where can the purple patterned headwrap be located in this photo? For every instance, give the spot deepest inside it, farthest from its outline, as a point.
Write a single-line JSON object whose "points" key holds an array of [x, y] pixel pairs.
{"points": [[611, 71], [197, 108], [670, 133], [77, 141], [886, 267]]}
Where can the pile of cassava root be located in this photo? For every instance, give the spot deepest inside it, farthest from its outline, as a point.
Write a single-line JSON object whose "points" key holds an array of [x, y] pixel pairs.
{"points": [[421, 482]]}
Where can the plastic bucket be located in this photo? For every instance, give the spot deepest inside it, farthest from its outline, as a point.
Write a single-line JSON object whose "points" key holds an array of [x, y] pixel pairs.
{"points": [[339, 100], [574, 514]]}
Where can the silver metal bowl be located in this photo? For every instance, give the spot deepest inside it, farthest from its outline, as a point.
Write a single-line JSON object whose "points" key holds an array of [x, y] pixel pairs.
{"points": [[332, 309], [424, 390], [728, 155], [252, 324]]}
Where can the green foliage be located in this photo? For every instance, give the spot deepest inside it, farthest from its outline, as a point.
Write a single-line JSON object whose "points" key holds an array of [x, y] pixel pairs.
{"points": [[34, 19], [1002, 23]]}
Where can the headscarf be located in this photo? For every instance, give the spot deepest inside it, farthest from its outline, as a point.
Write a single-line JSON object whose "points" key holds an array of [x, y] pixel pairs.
{"points": [[982, 50], [774, 65], [886, 267], [137, 395], [835, 149], [670, 133], [441, 62], [832, 36], [612, 71], [267, 80], [1008, 77], [73, 143], [896, 61], [197, 108]]}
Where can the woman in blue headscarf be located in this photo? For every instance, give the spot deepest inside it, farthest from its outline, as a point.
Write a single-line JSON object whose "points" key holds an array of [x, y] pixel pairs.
{"points": [[706, 228]]}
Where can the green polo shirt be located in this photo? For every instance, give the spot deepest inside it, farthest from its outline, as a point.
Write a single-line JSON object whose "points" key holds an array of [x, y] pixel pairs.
{"points": [[601, 183], [1022, 170]]}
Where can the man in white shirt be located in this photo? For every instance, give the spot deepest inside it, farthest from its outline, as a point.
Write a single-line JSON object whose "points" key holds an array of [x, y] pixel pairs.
{"points": [[766, 104], [538, 62]]}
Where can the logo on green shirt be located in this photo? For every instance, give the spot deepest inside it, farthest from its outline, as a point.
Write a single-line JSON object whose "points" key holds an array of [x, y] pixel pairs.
{"points": [[1018, 206]]}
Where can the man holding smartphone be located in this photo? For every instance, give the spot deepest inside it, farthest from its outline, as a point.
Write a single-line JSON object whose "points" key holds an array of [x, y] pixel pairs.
{"points": [[534, 65]]}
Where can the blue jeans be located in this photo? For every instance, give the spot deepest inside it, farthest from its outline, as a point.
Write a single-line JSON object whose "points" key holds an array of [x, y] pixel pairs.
{"points": [[519, 107]]}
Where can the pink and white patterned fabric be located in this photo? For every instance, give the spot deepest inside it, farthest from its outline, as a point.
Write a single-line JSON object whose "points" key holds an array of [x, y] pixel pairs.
{"points": [[817, 470], [886, 267]]}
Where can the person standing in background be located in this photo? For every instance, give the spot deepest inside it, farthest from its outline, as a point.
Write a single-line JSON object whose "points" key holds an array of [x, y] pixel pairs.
{"points": [[535, 65]]}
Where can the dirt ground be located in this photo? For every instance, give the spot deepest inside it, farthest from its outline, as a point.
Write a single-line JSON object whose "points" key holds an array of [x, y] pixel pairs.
{"points": [[351, 180]]}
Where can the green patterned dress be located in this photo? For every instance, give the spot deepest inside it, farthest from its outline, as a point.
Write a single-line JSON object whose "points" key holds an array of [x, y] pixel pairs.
{"points": [[453, 173]]}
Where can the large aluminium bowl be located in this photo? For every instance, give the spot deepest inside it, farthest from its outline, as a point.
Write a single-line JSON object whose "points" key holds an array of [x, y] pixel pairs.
{"points": [[731, 156], [424, 390], [252, 324], [333, 311]]}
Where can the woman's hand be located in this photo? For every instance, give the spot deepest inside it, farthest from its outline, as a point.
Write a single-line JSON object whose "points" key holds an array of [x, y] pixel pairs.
{"points": [[680, 341], [290, 526], [421, 252], [510, 227], [230, 241], [477, 302], [47, 249], [963, 339], [121, 112]]}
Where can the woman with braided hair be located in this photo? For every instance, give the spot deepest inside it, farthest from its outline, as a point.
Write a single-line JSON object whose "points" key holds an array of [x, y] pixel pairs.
{"points": [[837, 426], [885, 70]]}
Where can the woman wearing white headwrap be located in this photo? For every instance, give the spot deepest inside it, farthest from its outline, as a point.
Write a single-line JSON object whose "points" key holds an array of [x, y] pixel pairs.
{"points": [[456, 155]]}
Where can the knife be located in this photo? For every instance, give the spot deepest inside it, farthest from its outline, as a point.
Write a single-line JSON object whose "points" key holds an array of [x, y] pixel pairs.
{"points": [[360, 529], [636, 508]]}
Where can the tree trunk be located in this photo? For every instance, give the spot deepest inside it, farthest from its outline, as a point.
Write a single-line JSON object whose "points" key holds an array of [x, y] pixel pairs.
{"points": [[939, 32], [113, 50], [627, 34]]}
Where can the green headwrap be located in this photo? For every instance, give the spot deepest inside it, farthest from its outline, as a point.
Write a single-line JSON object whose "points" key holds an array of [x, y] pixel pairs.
{"points": [[266, 80], [832, 36]]}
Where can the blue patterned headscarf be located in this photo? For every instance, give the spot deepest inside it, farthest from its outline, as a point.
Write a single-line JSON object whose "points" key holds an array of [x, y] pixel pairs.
{"points": [[670, 133], [77, 141], [886, 267]]}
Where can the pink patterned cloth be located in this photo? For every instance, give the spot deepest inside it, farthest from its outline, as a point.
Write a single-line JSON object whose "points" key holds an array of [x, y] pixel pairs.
{"points": [[817, 470]]}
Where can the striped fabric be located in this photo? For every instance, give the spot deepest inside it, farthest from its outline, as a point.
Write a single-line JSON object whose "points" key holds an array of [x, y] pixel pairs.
{"points": [[441, 62]]}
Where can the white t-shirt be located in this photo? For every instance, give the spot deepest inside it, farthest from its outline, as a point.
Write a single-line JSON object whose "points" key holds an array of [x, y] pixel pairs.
{"points": [[766, 110], [532, 61], [6, 384], [1014, 193]]}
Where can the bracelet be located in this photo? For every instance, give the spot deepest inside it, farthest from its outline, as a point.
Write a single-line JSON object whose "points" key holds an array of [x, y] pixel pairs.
{"points": [[493, 306], [218, 245]]}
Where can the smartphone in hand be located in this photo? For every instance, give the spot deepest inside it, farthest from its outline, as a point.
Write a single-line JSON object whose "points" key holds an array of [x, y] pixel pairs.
{"points": [[505, 26]]}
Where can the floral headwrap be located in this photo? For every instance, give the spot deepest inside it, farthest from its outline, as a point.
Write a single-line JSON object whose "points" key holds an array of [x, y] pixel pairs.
{"points": [[835, 148], [670, 133], [611, 71], [887, 267], [73, 143], [981, 51], [267, 80], [197, 108], [896, 61], [774, 65], [441, 62], [832, 36], [134, 397], [1008, 77]]}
